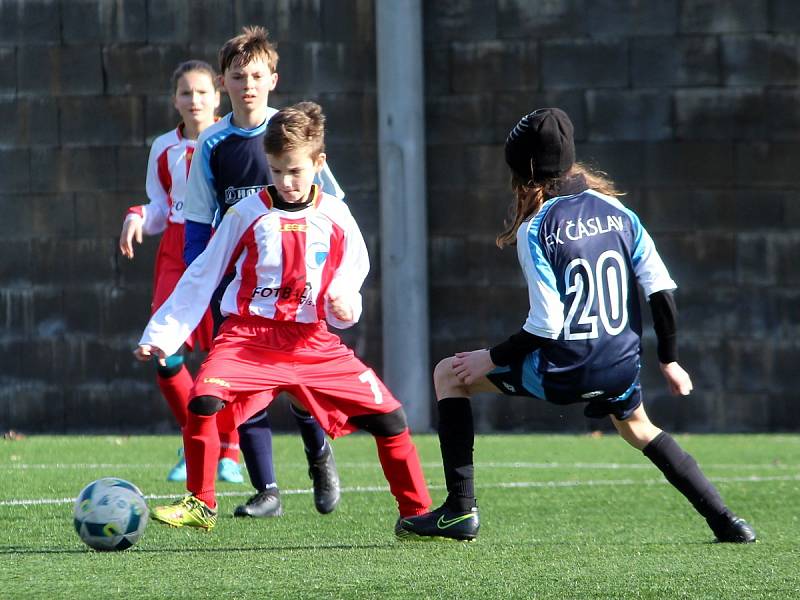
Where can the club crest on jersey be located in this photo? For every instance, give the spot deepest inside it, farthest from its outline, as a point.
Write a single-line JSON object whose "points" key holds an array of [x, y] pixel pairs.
{"points": [[316, 255], [233, 195]]}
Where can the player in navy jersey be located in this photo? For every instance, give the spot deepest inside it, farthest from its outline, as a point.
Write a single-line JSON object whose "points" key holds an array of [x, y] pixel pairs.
{"points": [[583, 254], [300, 262], [228, 165]]}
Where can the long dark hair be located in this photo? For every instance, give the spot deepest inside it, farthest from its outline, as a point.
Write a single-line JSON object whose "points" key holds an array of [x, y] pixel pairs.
{"points": [[529, 195]]}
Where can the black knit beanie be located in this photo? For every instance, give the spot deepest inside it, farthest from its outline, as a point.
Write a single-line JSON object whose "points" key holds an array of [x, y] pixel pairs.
{"points": [[541, 145]]}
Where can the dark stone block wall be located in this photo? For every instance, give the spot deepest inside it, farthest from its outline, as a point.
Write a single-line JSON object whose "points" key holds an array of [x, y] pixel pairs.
{"points": [[84, 86], [691, 106]]}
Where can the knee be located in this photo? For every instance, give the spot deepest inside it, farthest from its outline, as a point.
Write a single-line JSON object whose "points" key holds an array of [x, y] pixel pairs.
{"points": [[638, 433], [256, 423], [443, 376], [631, 436], [205, 406], [383, 425], [297, 409]]}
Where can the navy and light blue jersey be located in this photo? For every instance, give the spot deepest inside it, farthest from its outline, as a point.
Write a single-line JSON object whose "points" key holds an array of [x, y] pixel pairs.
{"points": [[582, 256], [230, 164]]}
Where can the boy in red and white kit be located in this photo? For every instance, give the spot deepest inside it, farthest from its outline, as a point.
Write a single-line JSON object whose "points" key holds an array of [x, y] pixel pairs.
{"points": [[228, 166], [300, 261], [196, 99]]}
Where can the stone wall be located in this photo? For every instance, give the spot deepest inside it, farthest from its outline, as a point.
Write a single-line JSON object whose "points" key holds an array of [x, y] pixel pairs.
{"points": [[691, 106]]}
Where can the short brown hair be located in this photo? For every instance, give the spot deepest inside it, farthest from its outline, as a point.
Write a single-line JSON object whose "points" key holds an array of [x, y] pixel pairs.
{"points": [[252, 43], [298, 126]]}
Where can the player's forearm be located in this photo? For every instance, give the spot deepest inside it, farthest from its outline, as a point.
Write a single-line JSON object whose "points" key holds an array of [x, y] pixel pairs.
{"points": [[153, 216], [665, 317], [516, 348], [343, 309], [172, 324], [196, 236], [174, 321]]}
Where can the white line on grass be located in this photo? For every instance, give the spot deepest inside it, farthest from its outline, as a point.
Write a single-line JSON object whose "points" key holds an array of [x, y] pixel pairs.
{"points": [[506, 485], [375, 465]]}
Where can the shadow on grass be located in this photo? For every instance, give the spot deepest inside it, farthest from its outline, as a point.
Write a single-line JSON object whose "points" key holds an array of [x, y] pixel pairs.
{"points": [[7, 550], [26, 550]]}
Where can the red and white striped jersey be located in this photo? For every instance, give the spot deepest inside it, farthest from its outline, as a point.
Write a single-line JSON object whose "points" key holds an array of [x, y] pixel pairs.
{"points": [[167, 174], [286, 262]]}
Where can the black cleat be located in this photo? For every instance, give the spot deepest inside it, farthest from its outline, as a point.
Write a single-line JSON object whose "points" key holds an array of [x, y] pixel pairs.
{"points": [[263, 504], [733, 530], [440, 523], [325, 479]]}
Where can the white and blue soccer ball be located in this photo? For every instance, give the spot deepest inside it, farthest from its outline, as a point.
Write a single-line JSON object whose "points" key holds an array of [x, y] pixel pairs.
{"points": [[110, 514]]}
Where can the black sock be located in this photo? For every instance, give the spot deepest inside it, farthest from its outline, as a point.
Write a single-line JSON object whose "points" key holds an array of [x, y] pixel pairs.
{"points": [[456, 440], [682, 471], [310, 431], [255, 440]]}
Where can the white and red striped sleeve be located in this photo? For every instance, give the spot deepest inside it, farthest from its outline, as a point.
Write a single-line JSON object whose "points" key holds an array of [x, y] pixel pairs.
{"points": [[175, 320], [351, 267], [157, 186]]}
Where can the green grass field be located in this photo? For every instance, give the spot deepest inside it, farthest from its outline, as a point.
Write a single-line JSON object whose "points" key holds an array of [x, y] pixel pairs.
{"points": [[562, 517]]}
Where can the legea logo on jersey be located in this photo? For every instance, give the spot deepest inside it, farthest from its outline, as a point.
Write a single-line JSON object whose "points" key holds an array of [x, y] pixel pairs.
{"points": [[316, 255], [216, 381], [302, 227], [233, 195]]}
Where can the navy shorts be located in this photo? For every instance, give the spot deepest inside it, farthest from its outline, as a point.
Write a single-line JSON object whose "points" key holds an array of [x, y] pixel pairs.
{"points": [[524, 379]]}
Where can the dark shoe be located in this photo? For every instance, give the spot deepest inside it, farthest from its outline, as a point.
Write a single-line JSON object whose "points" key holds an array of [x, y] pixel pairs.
{"points": [[441, 523], [325, 478], [733, 530], [263, 504]]}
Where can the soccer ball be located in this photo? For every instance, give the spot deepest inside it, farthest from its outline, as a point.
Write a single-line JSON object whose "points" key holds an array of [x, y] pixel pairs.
{"points": [[110, 514]]}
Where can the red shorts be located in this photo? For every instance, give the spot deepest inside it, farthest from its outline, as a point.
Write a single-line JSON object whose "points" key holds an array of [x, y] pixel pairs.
{"points": [[169, 268], [255, 358]]}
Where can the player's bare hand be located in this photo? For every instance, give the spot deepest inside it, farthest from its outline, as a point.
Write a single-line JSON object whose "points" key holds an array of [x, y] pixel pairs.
{"points": [[146, 352], [131, 230], [469, 367], [340, 306], [678, 380]]}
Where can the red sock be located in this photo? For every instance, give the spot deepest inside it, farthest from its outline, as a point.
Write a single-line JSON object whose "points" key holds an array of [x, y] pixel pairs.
{"points": [[201, 448], [403, 471], [176, 390], [229, 445]]}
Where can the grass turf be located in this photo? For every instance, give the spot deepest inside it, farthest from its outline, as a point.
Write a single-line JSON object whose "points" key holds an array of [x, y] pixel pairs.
{"points": [[562, 517]]}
